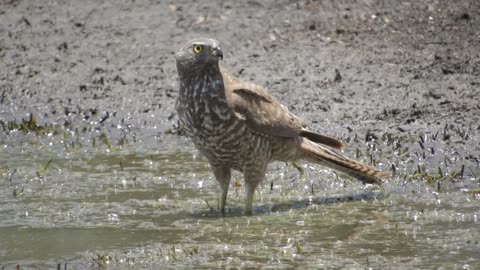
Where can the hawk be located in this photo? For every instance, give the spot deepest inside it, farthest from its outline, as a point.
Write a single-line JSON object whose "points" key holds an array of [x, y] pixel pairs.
{"points": [[239, 125]]}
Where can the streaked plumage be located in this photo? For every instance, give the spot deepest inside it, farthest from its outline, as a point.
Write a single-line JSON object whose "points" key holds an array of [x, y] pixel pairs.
{"points": [[239, 125]]}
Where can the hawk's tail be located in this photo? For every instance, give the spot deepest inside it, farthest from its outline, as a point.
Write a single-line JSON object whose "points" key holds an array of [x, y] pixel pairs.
{"points": [[328, 158]]}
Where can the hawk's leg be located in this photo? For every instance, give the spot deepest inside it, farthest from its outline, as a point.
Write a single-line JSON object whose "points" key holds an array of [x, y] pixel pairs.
{"points": [[222, 175], [251, 182]]}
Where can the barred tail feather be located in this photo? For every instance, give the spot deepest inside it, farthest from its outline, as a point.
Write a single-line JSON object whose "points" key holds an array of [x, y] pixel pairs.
{"points": [[329, 158]]}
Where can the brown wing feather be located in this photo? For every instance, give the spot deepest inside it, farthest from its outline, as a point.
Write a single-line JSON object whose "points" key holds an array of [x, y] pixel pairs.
{"points": [[252, 94], [263, 113], [322, 139]]}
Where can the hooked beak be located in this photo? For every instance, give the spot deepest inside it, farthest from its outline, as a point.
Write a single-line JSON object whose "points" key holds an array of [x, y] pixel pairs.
{"points": [[217, 52]]}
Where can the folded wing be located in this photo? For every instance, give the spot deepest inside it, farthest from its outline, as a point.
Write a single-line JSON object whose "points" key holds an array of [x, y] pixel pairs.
{"points": [[265, 115]]}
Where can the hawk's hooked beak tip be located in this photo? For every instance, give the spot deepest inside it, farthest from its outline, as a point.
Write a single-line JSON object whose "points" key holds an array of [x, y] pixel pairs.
{"points": [[218, 52]]}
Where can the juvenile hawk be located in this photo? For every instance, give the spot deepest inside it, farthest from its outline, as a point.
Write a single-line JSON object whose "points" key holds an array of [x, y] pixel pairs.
{"points": [[239, 125]]}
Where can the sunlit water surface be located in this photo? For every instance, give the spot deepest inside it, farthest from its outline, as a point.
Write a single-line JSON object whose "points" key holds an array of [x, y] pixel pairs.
{"points": [[87, 205]]}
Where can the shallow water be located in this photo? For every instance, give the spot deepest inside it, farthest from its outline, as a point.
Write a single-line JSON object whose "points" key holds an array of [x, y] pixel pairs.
{"points": [[91, 205]]}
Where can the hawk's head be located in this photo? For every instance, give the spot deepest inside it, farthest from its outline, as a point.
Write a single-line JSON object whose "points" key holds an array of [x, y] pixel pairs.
{"points": [[199, 53]]}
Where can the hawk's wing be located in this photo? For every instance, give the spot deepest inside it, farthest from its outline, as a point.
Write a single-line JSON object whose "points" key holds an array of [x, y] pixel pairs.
{"points": [[264, 114]]}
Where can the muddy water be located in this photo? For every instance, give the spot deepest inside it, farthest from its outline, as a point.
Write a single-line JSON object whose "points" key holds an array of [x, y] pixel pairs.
{"points": [[91, 205]]}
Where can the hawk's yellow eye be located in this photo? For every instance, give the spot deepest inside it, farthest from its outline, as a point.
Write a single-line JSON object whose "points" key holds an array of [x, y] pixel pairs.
{"points": [[197, 49]]}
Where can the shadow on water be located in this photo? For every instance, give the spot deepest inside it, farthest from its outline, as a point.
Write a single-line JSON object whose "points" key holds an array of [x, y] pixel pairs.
{"points": [[284, 207]]}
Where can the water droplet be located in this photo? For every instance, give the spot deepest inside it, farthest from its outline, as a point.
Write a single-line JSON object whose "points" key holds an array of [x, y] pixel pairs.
{"points": [[113, 217]]}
